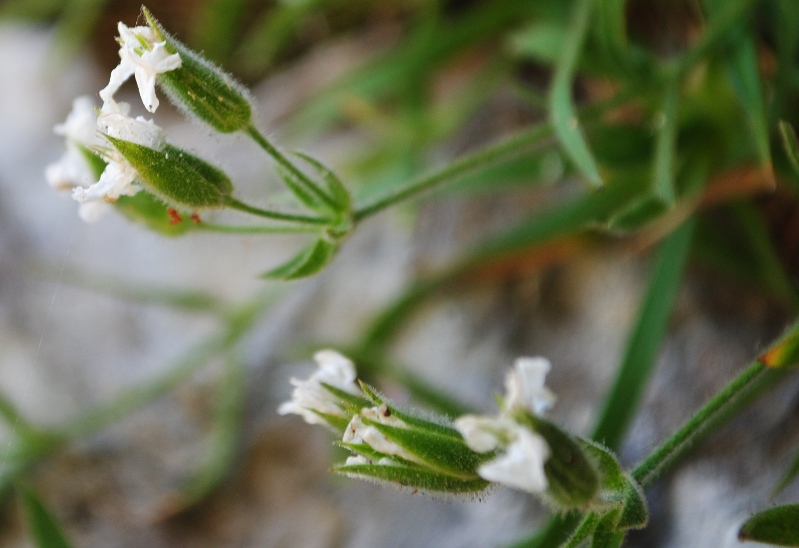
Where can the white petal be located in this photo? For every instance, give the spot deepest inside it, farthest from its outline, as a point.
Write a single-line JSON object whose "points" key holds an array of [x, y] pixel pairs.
{"points": [[522, 464], [310, 397], [119, 76], [355, 460], [91, 212], [80, 127], [524, 385], [115, 122], [358, 432], [481, 433]]}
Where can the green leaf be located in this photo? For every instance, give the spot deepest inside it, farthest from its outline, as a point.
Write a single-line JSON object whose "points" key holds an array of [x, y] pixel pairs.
{"points": [[613, 481], [790, 144], [645, 338], [561, 107], [296, 188], [341, 196], [414, 478], [43, 526], [306, 263], [353, 401], [744, 73], [778, 526]]}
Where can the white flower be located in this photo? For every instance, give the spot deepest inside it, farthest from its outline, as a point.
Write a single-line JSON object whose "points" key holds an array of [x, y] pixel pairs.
{"points": [[72, 170], [115, 122], [309, 397], [359, 432], [524, 385], [482, 433], [140, 55], [522, 464]]}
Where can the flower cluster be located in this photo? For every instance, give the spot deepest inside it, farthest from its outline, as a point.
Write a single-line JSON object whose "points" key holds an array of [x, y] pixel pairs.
{"points": [[397, 445], [77, 170]]}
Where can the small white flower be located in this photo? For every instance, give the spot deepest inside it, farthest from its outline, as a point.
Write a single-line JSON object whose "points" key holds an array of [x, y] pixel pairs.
{"points": [[72, 170], [524, 385], [521, 466], [482, 433], [115, 122], [355, 460], [140, 55], [309, 397], [358, 432]]}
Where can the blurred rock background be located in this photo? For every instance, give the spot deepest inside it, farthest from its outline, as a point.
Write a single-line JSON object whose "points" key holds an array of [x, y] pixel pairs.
{"points": [[65, 347]]}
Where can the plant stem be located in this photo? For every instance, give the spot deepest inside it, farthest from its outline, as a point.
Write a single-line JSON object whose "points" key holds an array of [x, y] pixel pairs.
{"points": [[458, 168], [287, 164], [681, 440], [243, 229], [277, 215]]}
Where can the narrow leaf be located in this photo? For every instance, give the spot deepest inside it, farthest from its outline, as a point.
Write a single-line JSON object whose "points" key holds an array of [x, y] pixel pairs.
{"points": [[635, 514], [645, 339], [790, 143], [43, 526], [308, 262], [562, 112], [341, 196], [778, 526]]}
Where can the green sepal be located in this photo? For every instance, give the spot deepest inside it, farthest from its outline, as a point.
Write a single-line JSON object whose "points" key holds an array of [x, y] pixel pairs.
{"points": [[414, 478], [606, 534], [201, 88], [365, 450], [44, 528], [307, 262], [778, 526], [435, 450], [435, 425], [573, 480], [182, 180], [350, 401], [341, 196], [150, 211]]}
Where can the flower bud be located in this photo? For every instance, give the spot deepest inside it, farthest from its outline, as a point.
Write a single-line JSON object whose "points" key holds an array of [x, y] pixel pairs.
{"points": [[201, 88], [177, 177]]}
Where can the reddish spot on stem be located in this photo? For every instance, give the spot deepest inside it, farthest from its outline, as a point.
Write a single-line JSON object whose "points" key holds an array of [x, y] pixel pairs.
{"points": [[174, 216], [196, 218]]}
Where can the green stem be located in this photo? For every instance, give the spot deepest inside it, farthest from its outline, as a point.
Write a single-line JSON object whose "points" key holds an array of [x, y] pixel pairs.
{"points": [[277, 215], [583, 530], [485, 157], [237, 229], [681, 440], [287, 164]]}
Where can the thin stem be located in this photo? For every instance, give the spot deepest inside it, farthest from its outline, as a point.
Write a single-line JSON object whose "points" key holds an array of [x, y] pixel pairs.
{"points": [[583, 530], [287, 164], [243, 229], [681, 440], [277, 215], [485, 157]]}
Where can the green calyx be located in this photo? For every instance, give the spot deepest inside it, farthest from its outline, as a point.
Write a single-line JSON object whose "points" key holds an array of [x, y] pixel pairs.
{"points": [[201, 88], [180, 179]]}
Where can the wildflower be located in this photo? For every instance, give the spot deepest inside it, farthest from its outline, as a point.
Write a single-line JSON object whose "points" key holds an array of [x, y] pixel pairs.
{"points": [[118, 177], [358, 431], [524, 385], [522, 451], [310, 398], [73, 169], [522, 464], [143, 54]]}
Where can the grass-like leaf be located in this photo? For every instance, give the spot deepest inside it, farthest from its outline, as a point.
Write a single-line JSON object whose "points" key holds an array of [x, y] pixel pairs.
{"points": [[561, 108], [645, 338], [306, 263], [43, 526]]}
